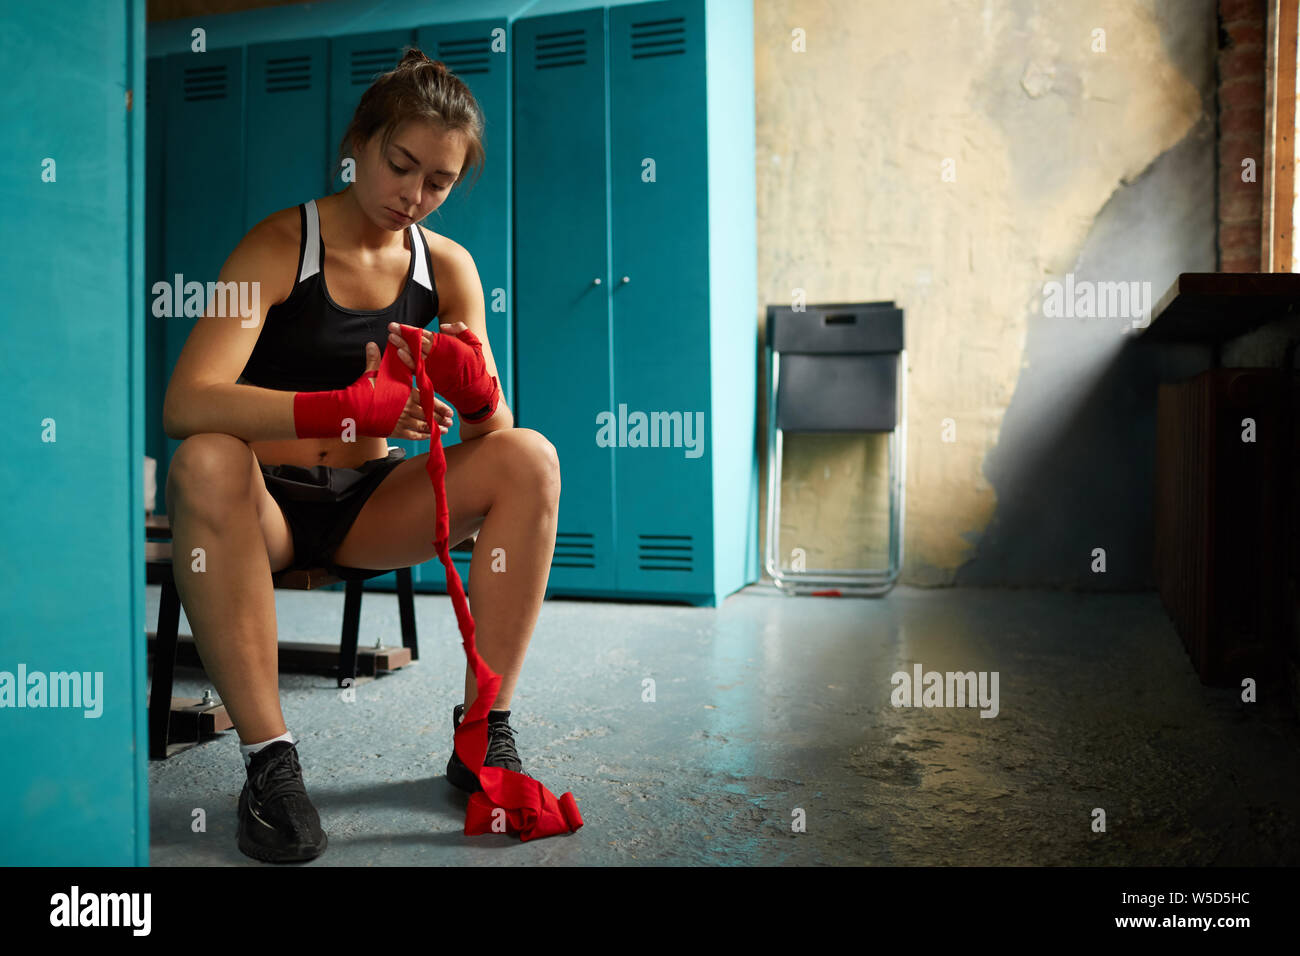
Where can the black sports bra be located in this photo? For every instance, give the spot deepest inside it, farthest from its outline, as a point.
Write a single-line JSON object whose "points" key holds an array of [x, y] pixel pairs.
{"points": [[311, 344]]}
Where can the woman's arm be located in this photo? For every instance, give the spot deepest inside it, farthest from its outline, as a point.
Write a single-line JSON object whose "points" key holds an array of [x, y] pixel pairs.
{"points": [[460, 299], [204, 394], [504, 418]]}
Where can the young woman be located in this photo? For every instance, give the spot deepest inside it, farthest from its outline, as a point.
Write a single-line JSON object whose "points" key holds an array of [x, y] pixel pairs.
{"points": [[337, 276]]}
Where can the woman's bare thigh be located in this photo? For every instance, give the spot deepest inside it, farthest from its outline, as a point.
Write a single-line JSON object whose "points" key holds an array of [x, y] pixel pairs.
{"points": [[275, 528], [222, 452], [396, 526]]}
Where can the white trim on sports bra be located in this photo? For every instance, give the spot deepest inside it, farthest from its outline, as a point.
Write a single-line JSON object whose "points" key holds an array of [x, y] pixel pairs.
{"points": [[311, 253]]}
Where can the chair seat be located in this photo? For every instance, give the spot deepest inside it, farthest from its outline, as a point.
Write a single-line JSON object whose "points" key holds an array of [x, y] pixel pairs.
{"points": [[158, 569], [158, 560]]}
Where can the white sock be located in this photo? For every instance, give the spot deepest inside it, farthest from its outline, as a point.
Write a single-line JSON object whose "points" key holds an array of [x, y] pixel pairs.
{"points": [[247, 750]]}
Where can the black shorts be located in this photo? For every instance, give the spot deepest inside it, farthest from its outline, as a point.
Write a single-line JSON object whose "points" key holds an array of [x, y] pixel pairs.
{"points": [[320, 504]]}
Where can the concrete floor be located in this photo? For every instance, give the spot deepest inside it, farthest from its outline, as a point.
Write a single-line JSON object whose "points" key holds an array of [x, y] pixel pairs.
{"points": [[770, 704]]}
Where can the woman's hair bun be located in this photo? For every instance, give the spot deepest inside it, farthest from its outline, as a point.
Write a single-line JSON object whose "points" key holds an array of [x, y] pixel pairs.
{"points": [[415, 57]]}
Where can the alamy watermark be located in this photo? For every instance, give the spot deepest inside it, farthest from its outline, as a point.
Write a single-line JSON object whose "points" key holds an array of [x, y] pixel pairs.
{"points": [[56, 689], [953, 689], [655, 430], [75, 908], [1084, 299], [180, 298]]}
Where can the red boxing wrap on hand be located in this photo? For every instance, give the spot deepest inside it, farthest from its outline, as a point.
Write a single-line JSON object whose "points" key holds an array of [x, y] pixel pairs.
{"points": [[375, 408], [459, 372]]}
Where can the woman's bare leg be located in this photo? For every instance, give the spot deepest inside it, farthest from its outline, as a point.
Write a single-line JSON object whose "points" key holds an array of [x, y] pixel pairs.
{"points": [[213, 505], [521, 522], [504, 484]]}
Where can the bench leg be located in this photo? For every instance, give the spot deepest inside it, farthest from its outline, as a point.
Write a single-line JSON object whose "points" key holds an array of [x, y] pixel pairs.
{"points": [[351, 628], [406, 608], [164, 667]]}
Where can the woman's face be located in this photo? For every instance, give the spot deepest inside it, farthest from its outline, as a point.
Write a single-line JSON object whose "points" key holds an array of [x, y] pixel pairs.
{"points": [[412, 177]]}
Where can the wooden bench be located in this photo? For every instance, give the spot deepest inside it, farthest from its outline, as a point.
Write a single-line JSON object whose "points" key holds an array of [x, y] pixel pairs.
{"points": [[187, 721]]}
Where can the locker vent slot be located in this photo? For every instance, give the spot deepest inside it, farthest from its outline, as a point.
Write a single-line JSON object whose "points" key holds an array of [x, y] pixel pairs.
{"points": [[566, 48], [574, 549], [287, 73], [658, 38], [665, 552], [367, 63], [205, 83], [466, 56]]}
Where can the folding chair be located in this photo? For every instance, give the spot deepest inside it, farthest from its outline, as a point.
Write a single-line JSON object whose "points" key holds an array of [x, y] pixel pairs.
{"points": [[837, 367]]}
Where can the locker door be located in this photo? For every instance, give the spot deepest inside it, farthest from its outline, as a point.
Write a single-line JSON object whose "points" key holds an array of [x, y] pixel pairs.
{"points": [[562, 276], [203, 215], [287, 132], [660, 241], [155, 344], [477, 214], [354, 62], [287, 127]]}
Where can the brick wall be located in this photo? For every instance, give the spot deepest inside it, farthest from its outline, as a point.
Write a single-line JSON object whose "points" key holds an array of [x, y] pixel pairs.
{"points": [[1242, 34]]}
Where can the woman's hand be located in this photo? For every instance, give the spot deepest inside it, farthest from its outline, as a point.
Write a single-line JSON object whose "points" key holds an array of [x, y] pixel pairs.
{"points": [[411, 426]]}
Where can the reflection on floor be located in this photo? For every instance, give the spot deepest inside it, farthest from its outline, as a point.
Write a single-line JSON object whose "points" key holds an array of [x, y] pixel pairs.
{"points": [[771, 739]]}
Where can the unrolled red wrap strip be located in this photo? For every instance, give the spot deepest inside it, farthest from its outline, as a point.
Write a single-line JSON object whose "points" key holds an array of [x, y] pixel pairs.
{"points": [[530, 809]]}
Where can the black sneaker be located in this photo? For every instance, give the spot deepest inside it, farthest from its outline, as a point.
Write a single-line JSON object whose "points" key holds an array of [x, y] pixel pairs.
{"points": [[500, 753], [277, 822]]}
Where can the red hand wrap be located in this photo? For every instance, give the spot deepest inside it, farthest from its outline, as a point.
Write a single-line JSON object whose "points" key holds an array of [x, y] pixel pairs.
{"points": [[375, 409], [459, 372], [508, 799]]}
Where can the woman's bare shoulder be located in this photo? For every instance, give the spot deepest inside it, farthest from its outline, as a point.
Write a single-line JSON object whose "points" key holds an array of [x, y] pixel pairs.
{"points": [[282, 225], [448, 255], [435, 242], [273, 244]]}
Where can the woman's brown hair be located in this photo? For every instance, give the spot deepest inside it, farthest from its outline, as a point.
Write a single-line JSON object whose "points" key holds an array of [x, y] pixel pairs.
{"points": [[418, 89]]}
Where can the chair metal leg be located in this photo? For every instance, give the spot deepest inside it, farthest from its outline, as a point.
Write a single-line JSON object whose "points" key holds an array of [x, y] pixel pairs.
{"points": [[862, 582], [351, 630], [164, 668], [774, 439], [406, 609]]}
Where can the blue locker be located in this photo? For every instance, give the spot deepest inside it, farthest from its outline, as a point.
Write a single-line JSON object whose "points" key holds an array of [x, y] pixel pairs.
{"points": [[477, 221], [203, 189], [659, 210], [355, 60], [659, 181], [287, 156], [562, 276], [629, 162], [476, 214]]}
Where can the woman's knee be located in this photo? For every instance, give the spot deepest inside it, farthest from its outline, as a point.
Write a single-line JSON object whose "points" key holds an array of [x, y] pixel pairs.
{"points": [[208, 467], [531, 461]]}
